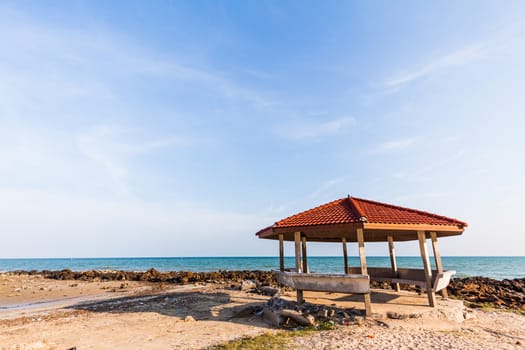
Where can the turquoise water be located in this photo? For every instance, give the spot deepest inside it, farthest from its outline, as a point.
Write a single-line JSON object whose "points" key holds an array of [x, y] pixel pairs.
{"points": [[493, 267]]}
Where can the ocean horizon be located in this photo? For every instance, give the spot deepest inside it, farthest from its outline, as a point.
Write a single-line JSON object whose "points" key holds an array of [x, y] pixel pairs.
{"points": [[497, 267]]}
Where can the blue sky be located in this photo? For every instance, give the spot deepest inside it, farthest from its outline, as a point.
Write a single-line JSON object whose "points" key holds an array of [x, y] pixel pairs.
{"points": [[176, 128]]}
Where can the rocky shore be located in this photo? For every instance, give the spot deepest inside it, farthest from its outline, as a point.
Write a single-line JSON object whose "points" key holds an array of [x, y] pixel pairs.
{"points": [[476, 291]]}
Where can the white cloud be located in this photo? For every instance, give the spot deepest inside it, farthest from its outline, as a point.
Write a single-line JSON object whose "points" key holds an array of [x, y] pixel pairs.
{"points": [[308, 129]]}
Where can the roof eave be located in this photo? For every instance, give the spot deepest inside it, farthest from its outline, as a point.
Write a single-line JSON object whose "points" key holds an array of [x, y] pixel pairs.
{"points": [[267, 231], [374, 232], [413, 227]]}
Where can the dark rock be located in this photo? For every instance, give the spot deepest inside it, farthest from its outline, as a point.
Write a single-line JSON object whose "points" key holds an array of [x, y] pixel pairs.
{"points": [[479, 291], [266, 290], [507, 294]]}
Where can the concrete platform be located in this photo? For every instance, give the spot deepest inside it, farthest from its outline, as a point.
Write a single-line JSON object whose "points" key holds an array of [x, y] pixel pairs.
{"points": [[404, 304]]}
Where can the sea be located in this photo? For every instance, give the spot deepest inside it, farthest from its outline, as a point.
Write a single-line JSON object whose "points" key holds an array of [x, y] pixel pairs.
{"points": [[497, 267]]}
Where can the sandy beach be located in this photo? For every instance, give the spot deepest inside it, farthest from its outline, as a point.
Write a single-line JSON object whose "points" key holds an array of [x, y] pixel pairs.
{"points": [[41, 313]]}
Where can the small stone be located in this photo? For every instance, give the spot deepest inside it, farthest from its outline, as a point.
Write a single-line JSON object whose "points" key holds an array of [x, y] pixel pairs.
{"points": [[189, 319]]}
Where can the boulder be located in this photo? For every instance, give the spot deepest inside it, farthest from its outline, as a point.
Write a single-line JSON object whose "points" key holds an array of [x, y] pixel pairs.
{"points": [[266, 290], [271, 318]]}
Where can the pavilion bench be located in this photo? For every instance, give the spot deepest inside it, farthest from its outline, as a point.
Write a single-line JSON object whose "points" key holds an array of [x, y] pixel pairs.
{"points": [[416, 277], [320, 282]]}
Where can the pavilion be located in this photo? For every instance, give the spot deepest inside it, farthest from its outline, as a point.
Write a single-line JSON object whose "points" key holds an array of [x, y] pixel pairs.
{"points": [[351, 219]]}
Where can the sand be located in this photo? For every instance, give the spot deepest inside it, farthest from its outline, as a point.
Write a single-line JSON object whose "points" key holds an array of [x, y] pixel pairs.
{"points": [[484, 330], [38, 313]]}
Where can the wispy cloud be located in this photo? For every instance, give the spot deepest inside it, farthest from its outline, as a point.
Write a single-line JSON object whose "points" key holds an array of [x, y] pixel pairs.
{"points": [[100, 157], [308, 129], [35, 156], [421, 196], [209, 78], [127, 227], [459, 57], [395, 145], [507, 41], [73, 89], [326, 191], [112, 147], [96, 57], [421, 173]]}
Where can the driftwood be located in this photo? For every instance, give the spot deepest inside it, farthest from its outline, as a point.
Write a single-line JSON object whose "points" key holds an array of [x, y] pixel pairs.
{"points": [[247, 311], [298, 317]]}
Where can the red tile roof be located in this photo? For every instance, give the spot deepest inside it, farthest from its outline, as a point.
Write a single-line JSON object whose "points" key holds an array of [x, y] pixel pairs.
{"points": [[355, 210]]}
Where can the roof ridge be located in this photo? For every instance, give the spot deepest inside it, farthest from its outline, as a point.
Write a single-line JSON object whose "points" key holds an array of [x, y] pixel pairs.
{"points": [[412, 210], [358, 209]]}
